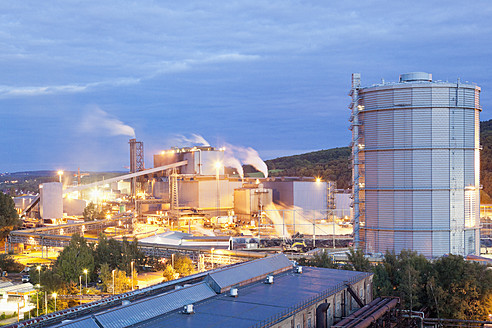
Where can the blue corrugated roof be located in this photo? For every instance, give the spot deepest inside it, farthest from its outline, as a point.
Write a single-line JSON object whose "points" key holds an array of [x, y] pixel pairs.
{"points": [[248, 271], [259, 302], [84, 323], [155, 306]]}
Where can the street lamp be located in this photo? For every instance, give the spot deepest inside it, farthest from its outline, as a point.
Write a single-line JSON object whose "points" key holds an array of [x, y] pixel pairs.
{"points": [[80, 285], [60, 174], [113, 280], [85, 271], [131, 264], [54, 296], [37, 301], [212, 250], [39, 273]]}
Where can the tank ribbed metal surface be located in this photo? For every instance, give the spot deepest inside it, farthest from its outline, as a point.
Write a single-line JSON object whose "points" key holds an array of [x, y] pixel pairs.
{"points": [[417, 148]]}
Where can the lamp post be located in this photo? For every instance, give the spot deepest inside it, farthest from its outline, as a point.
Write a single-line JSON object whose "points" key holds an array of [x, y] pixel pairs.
{"points": [[37, 302], [39, 273], [54, 296], [212, 250], [85, 271], [131, 265], [60, 174], [113, 280]]}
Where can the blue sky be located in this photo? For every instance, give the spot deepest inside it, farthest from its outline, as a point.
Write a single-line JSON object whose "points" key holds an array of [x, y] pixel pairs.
{"points": [[272, 75]]}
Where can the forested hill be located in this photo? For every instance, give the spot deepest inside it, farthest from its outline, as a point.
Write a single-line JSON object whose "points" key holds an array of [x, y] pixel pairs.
{"points": [[334, 164], [330, 164], [486, 161]]}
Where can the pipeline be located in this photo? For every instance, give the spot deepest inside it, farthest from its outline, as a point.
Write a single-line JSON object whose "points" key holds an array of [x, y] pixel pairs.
{"points": [[378, 314]]}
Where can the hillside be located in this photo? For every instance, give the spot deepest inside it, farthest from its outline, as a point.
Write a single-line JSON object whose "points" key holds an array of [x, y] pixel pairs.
{"points": [[330, 164], [334, 164]]}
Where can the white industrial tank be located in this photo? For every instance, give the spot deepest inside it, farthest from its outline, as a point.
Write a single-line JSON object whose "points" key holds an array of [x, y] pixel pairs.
{"points": [[415, 153]]}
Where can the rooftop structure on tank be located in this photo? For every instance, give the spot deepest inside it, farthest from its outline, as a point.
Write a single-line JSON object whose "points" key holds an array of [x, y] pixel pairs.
{"points": [[201, 160], [415, 159]]}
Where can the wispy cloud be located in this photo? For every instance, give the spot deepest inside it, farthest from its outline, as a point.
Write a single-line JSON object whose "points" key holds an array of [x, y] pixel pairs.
{"points": [[160, 69]]}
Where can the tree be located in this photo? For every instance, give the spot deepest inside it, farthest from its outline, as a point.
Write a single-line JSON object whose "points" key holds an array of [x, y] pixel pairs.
{"points": [[9, 219], [7, 263], [322, 260], [184, 266], [74, 259], [92, 213], [121, 282], [169, 273], [129, 253], [357, 260], [108, 251]]}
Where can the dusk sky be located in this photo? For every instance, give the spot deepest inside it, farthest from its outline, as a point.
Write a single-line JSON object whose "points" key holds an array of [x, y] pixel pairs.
{"points": [[77, 76]]}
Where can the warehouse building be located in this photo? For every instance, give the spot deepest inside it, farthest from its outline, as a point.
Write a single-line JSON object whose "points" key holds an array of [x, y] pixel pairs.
{"points": [[267, 292]]}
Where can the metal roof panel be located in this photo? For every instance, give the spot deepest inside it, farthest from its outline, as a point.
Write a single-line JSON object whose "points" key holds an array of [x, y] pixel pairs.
{"points": [[155, 306]]}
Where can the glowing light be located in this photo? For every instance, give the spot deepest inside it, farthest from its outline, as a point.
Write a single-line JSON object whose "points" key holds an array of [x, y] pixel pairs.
{"points": [[60, 172], [318, 180], [218, 165]]}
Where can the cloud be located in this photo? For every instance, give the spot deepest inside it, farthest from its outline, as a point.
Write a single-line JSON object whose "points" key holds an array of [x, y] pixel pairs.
{"points": [[161, 68]]}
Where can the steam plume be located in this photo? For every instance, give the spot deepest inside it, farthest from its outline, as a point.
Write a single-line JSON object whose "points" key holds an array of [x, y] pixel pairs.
{"points": [[194, 140], [99, 120], [247, 156], [231, 161]]}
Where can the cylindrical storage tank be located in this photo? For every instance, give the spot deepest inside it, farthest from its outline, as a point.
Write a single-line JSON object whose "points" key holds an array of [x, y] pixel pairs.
{"points": [[417, 151], [51, 200]]}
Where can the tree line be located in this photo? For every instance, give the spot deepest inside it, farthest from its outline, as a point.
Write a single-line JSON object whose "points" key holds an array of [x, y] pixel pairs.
{"points": [[448, 287], [109, 263]]}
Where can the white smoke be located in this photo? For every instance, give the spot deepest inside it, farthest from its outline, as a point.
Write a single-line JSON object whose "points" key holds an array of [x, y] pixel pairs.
{"points": [[98, 120], [231, 161], [246, 156], [183, 141]]}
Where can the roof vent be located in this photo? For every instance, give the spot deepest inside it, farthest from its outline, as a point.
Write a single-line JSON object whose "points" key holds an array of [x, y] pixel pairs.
{"points": [[416, 77], [298, 269], [188, 309], [269, 279], [233, 292]]}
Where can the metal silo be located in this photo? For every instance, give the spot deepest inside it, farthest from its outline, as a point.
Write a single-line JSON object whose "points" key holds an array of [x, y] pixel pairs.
{"points": [[415, 159]]}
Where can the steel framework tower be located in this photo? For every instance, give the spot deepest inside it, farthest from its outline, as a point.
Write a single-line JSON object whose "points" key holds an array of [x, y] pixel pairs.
{"points": [[136, 161], [357, 163]]}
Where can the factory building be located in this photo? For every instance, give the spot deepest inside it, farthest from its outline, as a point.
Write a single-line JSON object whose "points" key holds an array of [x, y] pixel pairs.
{"points": [[267, 292], [303, 193], [415, 159], [250, 200]]}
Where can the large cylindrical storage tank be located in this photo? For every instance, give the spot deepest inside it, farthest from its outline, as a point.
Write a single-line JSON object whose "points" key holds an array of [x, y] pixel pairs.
{"points": [[416, 159], [51, 200]]}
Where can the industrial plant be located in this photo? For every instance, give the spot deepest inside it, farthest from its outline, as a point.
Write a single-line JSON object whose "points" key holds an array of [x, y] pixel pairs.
{"points": [[190, 192], [415, 160]]}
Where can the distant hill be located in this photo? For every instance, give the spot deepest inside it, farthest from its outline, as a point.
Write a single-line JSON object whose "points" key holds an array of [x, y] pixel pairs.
{"points": [[330, 164], [334, 164], [486, 161]]}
